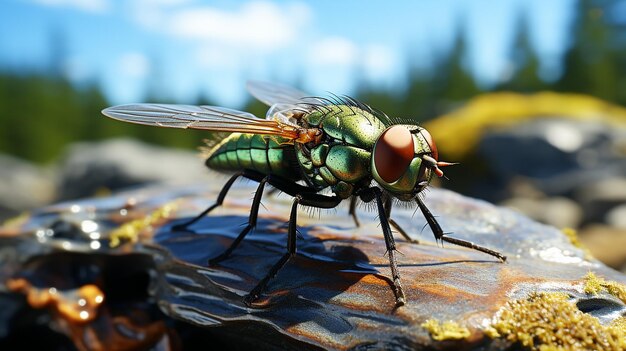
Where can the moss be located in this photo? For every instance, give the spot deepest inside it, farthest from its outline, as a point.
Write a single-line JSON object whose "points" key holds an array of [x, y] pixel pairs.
{"points": [[445, 331], [549, 321], [619, 326], [461, 130], [131, 231], [572, 235], [594, 285]]}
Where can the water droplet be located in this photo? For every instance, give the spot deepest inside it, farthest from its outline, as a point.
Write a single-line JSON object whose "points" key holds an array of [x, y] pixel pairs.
{"points": [[88, 226]]}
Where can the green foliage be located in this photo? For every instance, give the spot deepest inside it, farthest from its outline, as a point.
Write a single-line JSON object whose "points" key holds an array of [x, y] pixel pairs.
{"points": [[41, 113], [595, 62]]}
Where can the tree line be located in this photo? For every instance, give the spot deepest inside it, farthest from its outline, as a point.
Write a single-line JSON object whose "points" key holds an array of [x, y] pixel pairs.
{"points": [[42, 112]]}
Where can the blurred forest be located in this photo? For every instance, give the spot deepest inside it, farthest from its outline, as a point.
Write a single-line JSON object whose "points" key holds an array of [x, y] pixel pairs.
{"points": [[41, 111]]}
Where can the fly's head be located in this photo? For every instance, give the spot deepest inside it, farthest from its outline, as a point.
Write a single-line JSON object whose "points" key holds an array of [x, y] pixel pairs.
{"points": [[404, 159]]}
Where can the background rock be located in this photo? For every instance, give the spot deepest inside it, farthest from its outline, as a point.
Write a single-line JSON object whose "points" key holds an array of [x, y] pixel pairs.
{"points": [[87, 168], [24, 186]]}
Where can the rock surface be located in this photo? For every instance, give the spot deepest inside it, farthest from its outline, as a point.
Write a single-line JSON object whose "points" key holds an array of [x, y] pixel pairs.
{"points": [[335, 294]]}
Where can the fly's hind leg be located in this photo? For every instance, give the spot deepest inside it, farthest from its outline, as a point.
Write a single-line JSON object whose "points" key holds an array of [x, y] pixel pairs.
{"points": [[283, 185], [220, 200], [254, 213], [440, 235], [302, 196]]}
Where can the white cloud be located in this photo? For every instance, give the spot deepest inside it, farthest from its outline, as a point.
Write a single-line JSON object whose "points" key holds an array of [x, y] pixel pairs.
{"points": [[134, 64], [375, 59], [378, 58], [333, 51], [93, 6], [258, 25], [211, 56]]}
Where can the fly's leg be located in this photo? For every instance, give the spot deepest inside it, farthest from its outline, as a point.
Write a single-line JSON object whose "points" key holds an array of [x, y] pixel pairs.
{"points": [[220, 200], [375, 194], [440, 235], [254, 212], [281, 184], [402, 232], [306, 199], [353, 211]]}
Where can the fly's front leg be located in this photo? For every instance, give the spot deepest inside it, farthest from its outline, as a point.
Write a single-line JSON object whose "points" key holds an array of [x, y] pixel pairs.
{"points": [[368, 195], [440, 235], [307, 199], [406, 236], [220, 200]]}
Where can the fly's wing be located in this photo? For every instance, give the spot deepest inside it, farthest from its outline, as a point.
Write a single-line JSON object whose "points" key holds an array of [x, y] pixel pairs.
{"points": [[211, 118], [274, 93], [284, 100]]}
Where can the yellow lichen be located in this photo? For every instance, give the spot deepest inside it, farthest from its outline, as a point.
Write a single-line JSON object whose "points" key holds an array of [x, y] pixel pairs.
{"points": [[17, 221], [446, 330], [130, 231], [572, 235], [549, 321], [594, 285], [461, 130]]}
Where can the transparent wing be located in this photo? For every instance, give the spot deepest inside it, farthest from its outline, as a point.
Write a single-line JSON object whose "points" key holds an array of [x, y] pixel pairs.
{"points": [[278, 94], [210, 118]]}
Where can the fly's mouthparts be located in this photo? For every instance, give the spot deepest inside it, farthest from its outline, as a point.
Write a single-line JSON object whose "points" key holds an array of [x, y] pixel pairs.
{"points": [[431, 161], [434, 164]]}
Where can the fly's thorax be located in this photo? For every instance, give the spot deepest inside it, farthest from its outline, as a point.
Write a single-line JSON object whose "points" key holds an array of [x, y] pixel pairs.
{"points": [[397, 163], [341, 160], [349, 125], [344, 168]]}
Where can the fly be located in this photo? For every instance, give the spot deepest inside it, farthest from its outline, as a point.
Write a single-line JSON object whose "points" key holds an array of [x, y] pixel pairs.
{"points": [[305, 145]]}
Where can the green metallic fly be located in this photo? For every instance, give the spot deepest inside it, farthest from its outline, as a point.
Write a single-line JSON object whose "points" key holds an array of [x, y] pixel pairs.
{"points": [[308, 144]]}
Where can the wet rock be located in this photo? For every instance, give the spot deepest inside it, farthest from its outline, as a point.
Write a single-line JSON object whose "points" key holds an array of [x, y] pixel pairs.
{"points": [[24, 186], [88, 168], [335, 293]]}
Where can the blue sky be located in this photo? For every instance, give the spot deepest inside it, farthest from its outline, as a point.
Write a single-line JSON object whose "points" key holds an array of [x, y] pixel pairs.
{"points": [[213, 47]]}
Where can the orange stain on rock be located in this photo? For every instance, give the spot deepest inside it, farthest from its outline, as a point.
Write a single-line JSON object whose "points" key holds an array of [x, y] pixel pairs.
{"points": [[78, 305]]}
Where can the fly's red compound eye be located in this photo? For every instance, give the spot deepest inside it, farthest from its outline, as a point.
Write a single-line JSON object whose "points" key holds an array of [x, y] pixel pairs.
{"points": [[431, 143], [393, 153]]}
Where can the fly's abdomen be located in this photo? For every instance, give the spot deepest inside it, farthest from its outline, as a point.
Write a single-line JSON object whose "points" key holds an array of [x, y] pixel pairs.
{"points": [[264, 154]]}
